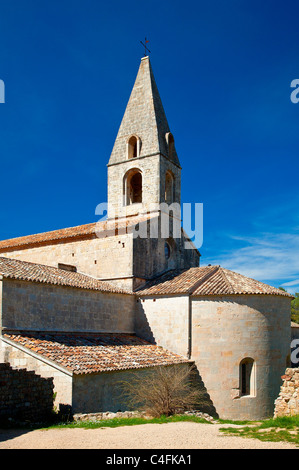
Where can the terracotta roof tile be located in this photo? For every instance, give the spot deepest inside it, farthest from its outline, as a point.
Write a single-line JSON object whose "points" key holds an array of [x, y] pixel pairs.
{"points": [[91, 353], [71, 232], [224, 281], [176, 282], [207, 280], [93, 230], [26, 271]]}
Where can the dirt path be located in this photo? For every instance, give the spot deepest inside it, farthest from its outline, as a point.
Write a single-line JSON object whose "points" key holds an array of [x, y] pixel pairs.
{"points": [[185, 435]]}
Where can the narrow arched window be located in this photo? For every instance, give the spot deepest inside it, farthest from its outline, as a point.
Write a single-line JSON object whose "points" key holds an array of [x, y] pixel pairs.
{"points": [[136, 188], [247, 376], [133, 147], [169, 188], [170, 143], [133, 187]]}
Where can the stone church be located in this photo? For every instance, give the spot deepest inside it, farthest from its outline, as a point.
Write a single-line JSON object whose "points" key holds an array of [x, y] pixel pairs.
{"points": [[92, 304]]}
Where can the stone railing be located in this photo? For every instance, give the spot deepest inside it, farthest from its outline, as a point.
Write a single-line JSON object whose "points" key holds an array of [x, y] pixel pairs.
{"points": [[287, 403]]}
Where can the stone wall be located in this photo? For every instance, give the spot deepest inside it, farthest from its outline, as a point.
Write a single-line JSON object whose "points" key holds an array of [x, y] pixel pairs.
{"points": [[153, 170], [149, 167], [24, 395], [287, 403], [163, 320], [88, 255], [105, 391], [223, 331], [116, 259], [38, 306], [149, 253], [228, 329]]}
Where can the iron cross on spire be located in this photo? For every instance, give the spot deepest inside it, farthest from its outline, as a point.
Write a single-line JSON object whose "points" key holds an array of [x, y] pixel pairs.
{"points": [[145, 48]]}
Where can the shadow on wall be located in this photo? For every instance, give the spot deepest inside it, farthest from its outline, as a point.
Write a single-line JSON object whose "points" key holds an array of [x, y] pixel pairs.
{"points": [[142, 326], [24, 395], [205, 404], [143, 330]]}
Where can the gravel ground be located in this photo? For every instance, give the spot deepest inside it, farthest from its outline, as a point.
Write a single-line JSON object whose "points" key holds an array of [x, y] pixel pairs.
{"points": [[186, 435]]}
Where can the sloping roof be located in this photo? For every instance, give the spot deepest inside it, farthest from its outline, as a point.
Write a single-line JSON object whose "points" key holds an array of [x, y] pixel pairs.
{"points": [[94, 230], [176, 282], [294, 325], [224, 281], [207, 280], [70, 232], [26, 271], [91, 353]]}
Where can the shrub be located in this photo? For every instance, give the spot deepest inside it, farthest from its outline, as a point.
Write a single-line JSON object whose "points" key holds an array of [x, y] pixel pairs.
{"points": [[165, 391]]}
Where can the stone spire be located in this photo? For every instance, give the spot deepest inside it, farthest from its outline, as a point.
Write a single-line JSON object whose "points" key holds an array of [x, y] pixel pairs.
{"points": [[144, 118]]}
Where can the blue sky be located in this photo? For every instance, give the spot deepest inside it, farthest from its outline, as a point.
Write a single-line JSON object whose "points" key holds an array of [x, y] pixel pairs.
{"points": [[223, 69]]}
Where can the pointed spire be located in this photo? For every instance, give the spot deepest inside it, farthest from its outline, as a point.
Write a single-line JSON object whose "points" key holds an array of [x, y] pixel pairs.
{"points": [[145, 118]]}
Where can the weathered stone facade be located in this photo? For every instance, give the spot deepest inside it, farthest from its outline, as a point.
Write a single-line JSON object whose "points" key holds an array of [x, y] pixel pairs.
{"points": [[164, 320], [228, 329], [131, 260], [43, 307], [218, 333], [89, 256], [105, 390], [287, 403]]}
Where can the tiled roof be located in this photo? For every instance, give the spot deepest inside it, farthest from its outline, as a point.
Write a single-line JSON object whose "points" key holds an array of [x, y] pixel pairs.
{"points": [[91, 353], [175, 282], [93, 230], [26, 271], [207, 280]]}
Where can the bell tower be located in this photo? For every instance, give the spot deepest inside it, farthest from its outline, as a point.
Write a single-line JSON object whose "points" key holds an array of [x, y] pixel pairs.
{"points": [[144, 170], [144, 180]]}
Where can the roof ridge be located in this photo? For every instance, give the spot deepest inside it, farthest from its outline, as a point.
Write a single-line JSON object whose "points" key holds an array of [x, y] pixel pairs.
{"points": [[48, 236], [54, 268], [50, 231], [230, 285], [204, 279], [91, 229], [159, 276], [20, 261], [255, 281]]}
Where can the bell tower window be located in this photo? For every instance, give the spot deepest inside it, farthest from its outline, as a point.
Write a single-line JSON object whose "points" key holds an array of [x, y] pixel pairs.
{"points": [[133, 146], [133, 187], [170, 143]]}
